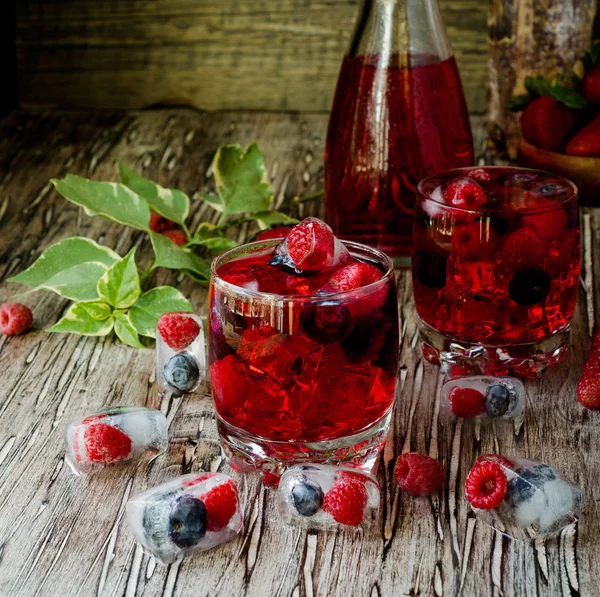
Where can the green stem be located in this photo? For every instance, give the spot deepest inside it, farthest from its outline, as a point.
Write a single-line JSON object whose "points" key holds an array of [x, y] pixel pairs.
{"points": [[235, 222], [221, 220], [144, 275], [306, 198]]}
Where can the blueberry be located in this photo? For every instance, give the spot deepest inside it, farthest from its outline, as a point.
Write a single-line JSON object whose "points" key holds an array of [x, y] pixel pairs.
{"points": [[517, 178], [187, 521], [307, 498], [181, 372], [549, 189], [366, 339], [497, 400], [524, 486], [155, 517], [429, 268], [529, 287], [325, 321]]}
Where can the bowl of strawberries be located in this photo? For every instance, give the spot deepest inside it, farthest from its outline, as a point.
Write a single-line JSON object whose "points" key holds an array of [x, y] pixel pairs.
{"points": [[560, 126]]}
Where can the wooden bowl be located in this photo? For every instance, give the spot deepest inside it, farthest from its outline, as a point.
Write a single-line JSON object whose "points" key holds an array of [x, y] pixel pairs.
{"points": [[583, 171]]}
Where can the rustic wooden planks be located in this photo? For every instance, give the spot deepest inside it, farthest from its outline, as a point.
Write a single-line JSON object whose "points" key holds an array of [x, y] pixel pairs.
{"points": [[257, 55], [60, 535]]}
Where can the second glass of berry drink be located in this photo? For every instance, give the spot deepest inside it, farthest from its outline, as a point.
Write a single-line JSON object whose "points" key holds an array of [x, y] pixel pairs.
{"points": [[399, 114], [303, 349], [496, 269]]}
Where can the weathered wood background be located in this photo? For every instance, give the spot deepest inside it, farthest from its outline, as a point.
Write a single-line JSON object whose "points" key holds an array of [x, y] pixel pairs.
{"points": [[232, 55], [63, 536]]}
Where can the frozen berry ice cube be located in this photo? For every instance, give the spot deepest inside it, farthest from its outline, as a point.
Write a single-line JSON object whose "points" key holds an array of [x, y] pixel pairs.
{"points": [[180, 354], [320, 496], [498, 397], [191, 513], [522, 498], [115, 435]]}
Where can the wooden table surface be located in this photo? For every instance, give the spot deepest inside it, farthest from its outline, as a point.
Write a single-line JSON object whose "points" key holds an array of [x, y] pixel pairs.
{"points": [[62, 535]]}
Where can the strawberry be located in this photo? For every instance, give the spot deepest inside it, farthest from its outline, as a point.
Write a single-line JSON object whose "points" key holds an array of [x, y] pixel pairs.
{"points": [[591, 85], [486, 485], [546, 123], [588, 389], [587, 141]]}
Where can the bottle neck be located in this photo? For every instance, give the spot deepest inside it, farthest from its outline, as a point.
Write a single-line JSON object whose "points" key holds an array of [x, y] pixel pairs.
{"points": [[400, 32]]}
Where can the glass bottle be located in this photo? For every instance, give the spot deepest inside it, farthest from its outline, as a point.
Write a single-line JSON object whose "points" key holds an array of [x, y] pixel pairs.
{"points": [[399, 114]]}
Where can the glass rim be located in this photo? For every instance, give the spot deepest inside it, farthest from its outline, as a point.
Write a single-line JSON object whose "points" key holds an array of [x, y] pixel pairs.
{"points": [[345, 294], [573, 196]]}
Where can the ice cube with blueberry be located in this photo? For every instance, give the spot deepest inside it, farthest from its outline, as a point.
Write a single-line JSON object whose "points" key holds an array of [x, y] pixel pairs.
{"points": [[522, 498], [115, 435], [180, 354], [191, 513], [476, 396], [320, 496]]}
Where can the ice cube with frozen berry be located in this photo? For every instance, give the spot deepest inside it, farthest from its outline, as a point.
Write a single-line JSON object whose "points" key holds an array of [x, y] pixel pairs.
{"points": [[180, 354], [191, 513], [115, 435], [476, 396], [320, 496], [522, 498]]}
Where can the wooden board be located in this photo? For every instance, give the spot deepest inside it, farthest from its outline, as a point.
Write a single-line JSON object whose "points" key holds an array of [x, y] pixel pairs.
{"points": [[256, 55], [63, 536]]}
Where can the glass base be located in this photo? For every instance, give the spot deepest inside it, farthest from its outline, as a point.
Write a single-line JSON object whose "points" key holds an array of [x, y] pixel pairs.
{"points": [[458, 358], [247, 452]]}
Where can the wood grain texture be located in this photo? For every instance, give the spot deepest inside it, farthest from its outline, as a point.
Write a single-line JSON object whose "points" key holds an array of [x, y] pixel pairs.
{"points": [[242, 54], [63, 536]]}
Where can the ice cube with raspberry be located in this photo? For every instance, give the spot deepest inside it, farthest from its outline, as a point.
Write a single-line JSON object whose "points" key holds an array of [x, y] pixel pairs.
{"points": [[180, 354], [522, 498], [191, 513], [311, 246], [319, 496], [493, 397], [115, 435]]}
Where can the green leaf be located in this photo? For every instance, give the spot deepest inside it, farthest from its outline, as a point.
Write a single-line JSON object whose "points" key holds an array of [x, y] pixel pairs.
{"points": [[71, 268], [218, 244], [207, 230], [241, 179], [152, 304], [78, 321], [268, 219], [214, 201], [97, 310], [536, 86], [169, 203], [518, 102], [568, 97], [120, 285], [110, 200], [125, 331], [168, 254]]}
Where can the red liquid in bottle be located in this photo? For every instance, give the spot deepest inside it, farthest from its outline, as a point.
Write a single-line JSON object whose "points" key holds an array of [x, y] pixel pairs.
{"points": [[390, 128]]}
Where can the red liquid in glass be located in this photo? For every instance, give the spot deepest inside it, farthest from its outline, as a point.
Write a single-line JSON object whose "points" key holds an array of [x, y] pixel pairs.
{"points": [[308, 371], [390, 128]]}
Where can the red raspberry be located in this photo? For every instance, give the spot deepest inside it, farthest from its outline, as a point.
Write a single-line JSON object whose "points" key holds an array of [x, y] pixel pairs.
{"points": [[547, 225], [495, 458], [346, 500], [105, 443], [466, 402], [178, 330], [464, 193], [201, 477], [353, 276], [430, 354], [92, 419], [474, 241], [480, 175], [15, 318], [273, 233], [311, 244], [221, 504], [177, 236], [588, 389], [419, 475], [486, 485], [159, 224], [523, 249]]}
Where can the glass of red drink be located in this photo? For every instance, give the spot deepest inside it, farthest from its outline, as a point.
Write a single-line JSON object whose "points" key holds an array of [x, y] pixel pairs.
{"points": [[299, 371], [495, 265]]}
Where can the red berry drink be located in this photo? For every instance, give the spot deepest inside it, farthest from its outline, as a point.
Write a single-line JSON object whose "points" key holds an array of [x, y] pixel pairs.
{"points": [[391, 125], [303, 348], [495, 264]]}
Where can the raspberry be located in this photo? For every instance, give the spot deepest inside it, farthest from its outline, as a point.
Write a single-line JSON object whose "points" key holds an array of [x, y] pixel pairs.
{"points": [[353, 276], [177, 236], [466, 402], [159, 224], [419, 475], [588, 388], [523, 249], [464, 193], [502, 460], [273, 233], [547, 225], [105, 443], [15, 318], [310, 244], [486, 485], [201, 477], [346, 500], [178, 330], [474, 241], [480, 175], [92, 419], [221, 504]]}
